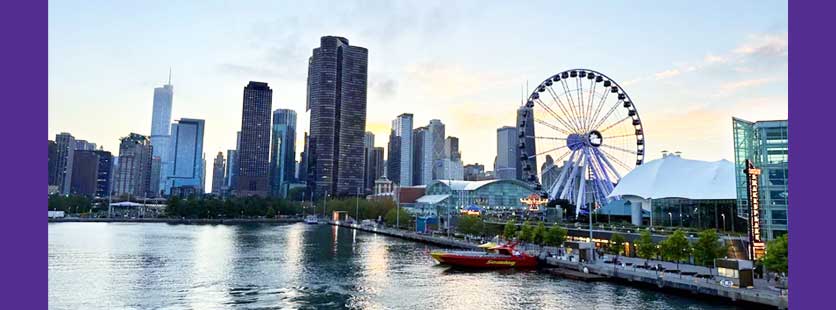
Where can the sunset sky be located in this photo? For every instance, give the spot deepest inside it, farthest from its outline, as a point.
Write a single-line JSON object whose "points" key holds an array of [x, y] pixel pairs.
{"points": [[688, 66]]}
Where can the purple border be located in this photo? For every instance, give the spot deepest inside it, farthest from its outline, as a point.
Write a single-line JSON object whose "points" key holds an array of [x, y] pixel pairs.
{"points": [[811, 213], [24, 61], [24, 26]]}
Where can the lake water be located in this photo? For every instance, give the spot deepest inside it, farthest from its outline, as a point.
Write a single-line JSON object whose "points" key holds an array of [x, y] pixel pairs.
{"points": [[265, 266]]}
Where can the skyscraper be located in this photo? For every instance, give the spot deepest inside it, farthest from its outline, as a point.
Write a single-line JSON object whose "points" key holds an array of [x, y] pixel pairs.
{"points": [[85, 170], [400, 160], [160, 128], [505, 166], [104, 173], [377, 163], [254, 151], [282, 151], [53, 159], [368, 164], [393, 162], [84, 145], [156, 172], [525, 135], [133, 175], [451, 148], [65, 143], [422, 164], [218, 173], [337, 80], [436, 149], [232, 165], [186, 154]]}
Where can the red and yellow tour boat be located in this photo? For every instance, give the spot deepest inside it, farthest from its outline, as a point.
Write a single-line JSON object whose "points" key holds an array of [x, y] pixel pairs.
{"points": [[494, 256]]}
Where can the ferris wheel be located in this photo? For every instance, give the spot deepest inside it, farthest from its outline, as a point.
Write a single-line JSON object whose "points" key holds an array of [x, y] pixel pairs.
{"points": [[589, 127]]}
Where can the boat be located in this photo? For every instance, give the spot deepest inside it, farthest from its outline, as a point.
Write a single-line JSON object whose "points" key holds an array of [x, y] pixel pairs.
{"points": [[493, 256], [311, 219]]}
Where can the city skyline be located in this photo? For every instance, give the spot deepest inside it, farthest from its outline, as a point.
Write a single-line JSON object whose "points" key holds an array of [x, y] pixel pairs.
{"points": [[706, 72]]}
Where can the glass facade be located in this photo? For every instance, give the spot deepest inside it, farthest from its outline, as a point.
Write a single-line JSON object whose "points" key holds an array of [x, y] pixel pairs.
{"points": [[697, 214], [490, 195], [186, 152], [765, 144]]}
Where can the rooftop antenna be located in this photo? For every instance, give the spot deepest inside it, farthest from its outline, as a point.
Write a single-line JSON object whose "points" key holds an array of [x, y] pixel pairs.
{"points": [[169, 75]]}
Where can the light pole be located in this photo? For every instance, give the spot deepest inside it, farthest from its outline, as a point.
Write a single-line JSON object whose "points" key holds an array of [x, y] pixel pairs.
{"points": [[397, 207], [357, 206], [724, 221], [671, 216], [699, 218]]}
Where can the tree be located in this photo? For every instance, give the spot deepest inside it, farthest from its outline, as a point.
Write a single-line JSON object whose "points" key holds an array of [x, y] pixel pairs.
{"points": [[510, 230], [391, 218], [538, 234], [645, 247], [776, 255], [470, 225], [526, 232], [676, 247], [708, 247], [555, 236], [617, 244]]}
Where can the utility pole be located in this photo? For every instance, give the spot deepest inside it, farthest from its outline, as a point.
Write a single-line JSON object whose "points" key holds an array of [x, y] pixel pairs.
{"points": [[397, 207], [357, 206]]}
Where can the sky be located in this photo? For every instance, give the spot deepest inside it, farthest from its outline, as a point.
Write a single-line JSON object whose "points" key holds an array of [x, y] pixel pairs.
{"points": [[689, 67]]}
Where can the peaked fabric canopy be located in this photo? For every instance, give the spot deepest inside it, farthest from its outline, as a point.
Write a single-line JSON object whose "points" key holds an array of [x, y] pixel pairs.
{"points": [[674, 177]]}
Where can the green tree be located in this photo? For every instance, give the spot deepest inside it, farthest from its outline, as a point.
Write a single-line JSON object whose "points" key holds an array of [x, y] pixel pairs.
{"points": [[708, 247], [645, 247], [776, 258], [406, 220], [470, 225], [526, 232], [538, 234], [617, 244], [510, 230], [676, 247], [555, 236]]}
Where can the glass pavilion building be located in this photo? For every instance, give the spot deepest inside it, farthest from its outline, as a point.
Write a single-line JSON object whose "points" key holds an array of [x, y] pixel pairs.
{"points": [[765, 144]]}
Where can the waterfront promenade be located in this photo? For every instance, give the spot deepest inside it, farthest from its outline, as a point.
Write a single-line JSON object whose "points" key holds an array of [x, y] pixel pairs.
{"points": [[627, 271]]}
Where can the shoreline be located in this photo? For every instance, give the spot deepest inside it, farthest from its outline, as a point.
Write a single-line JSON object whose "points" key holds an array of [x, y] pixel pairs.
{"points": [[175, 221], [606, 273]]}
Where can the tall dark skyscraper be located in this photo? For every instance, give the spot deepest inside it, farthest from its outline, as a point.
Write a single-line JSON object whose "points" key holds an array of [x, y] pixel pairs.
{"points": [[525, 135], [85, 170], [393, 162], [53, 159], [368, 162], [104, 173], [283, 151], [337, 81], [377, 163], [254, 151]]}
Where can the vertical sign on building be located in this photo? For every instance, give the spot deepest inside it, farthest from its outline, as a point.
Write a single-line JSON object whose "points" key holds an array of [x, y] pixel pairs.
{"points": [[756, 244]]}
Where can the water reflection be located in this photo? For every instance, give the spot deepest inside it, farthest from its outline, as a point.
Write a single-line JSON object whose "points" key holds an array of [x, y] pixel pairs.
{"points": [[141, 266]]}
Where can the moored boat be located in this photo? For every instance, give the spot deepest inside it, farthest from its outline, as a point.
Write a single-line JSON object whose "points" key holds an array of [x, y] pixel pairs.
{"points": [[311, 219], [494, 256]]}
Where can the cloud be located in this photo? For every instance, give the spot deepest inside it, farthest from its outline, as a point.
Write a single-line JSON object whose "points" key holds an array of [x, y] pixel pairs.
{"points": [[765, 45], [667, 74], [384, 88], [735, 86]]}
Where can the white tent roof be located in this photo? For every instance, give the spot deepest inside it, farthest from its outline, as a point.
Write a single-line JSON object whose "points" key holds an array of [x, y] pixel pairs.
{"points": [[431, 199], [674, 177]]}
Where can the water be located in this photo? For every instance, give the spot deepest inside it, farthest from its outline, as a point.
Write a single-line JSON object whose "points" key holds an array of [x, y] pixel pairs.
{"points": [[153, 266]]}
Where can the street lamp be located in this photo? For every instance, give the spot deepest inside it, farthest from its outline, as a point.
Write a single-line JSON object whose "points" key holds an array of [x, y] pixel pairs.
{"points": [[699, 218], [671, 216], [724, 221]]}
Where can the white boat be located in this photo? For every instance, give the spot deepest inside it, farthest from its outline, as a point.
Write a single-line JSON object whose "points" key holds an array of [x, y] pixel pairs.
{"points": [[311, 219]]}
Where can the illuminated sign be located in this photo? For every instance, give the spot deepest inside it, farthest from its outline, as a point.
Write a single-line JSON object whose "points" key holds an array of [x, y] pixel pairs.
{"points": [[534, 201], [756, 244]]}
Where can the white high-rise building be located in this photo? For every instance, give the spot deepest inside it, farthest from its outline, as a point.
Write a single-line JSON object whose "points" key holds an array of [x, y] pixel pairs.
{"points": [[402, 128], [161, 126]]}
